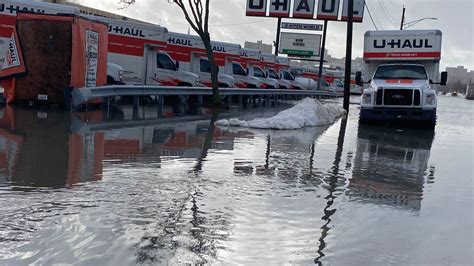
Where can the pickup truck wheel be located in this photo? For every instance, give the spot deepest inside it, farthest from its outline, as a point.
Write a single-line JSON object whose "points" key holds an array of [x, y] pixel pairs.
{"points": [[251, 87], [184, 85], [223, 85]]}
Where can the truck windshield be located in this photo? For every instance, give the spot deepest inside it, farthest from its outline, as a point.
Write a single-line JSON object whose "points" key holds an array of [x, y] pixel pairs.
{"points": [[287, 75], [400, 72], [204, 66], [272, 74], [237, 69], [164, 61], [257, 72]]}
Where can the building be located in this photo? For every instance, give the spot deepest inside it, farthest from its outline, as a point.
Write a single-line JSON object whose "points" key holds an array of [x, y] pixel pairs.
{"points": [[259, 45], [460, 74]]}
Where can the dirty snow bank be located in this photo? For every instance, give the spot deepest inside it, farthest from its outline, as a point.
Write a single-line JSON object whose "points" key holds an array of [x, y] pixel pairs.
{"points": [[306, 113]]}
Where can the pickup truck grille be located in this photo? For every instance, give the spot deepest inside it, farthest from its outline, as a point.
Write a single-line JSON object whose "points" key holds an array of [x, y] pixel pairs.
{"points": [[401, 97]]}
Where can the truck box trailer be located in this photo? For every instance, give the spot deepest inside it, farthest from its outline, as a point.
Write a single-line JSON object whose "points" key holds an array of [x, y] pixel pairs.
{"points": [[50, 54], [189, 50], [140, 48], [404, 71], [9, 10]]}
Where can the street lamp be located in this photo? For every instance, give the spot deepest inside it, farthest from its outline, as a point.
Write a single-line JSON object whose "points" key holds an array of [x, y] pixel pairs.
{"points": [[411, 23]]}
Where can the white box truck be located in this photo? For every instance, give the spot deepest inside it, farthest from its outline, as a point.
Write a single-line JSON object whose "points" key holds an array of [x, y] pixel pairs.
{"points": [[140, 48], [252, 60], [404, 71], [190, 52]]}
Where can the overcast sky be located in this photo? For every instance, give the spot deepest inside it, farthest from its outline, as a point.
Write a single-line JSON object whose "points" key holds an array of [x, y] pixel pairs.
{"points": [[229, 23]]}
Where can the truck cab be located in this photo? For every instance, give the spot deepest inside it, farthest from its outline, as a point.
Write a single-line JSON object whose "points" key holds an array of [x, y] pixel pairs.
{"points": [[400, 91], [267, 81], [201, 66], [162, 70], [241, 76]]}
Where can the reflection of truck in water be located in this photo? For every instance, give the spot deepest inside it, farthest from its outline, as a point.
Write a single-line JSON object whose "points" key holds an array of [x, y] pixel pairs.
{"points": [[390, 166], [404, 67]]}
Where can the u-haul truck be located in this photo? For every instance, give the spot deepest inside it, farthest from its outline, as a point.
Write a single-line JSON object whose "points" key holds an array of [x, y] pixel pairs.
{"points": [[140, 48], [251, 59], [8, 12], [403, 67], [270, 67], [286, 78], [190, 52], [233, 66]]}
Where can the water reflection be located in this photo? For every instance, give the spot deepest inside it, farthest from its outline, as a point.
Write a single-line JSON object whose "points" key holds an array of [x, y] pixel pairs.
{"points": [[391, 166], [180, 190], [38, 150], [333, 180]]}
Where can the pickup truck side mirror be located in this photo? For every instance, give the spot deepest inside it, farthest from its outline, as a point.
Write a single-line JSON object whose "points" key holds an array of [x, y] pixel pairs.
{"points": [[246, 72], [359, 80], [444, 78], [176, 65]]}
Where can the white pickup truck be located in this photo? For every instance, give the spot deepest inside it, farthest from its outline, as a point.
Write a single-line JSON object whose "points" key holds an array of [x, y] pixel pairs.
{"points": [[404, 68]]}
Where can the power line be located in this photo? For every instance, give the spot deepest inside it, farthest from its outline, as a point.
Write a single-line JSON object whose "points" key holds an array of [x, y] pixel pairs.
{"points": [[387, 13], [223, 25], [370, 15]]}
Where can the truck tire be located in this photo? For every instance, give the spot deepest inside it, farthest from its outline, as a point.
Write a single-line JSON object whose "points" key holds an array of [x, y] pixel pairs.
{"points": [[183, 84], [110, 80]]}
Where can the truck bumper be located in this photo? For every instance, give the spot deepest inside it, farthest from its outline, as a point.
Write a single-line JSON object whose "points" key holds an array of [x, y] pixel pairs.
{"points": [[397, 114]]}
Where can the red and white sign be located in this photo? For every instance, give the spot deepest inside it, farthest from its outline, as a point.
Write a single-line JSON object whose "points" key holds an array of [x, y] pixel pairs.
{"points": [[280, 8], [402, 45], [303, 9], [328, 9], [358, 13], [256, 8]]}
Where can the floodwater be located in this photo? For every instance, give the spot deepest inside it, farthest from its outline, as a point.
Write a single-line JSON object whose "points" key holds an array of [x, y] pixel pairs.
{"points": [[88, 191]]}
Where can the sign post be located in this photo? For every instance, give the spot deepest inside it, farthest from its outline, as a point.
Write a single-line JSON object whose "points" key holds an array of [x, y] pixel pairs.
{"points": [[277, 41], [347, 77], [321, 58]]}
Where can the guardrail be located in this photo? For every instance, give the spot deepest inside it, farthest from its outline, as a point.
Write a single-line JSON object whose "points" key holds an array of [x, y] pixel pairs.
{"points": [[83, 95]]}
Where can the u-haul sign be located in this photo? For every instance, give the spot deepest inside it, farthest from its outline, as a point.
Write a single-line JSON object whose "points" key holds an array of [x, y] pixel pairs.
{"points": [[305, 9], [402, 45]]}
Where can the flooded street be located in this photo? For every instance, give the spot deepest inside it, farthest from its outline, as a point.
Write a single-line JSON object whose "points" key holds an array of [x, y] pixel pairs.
{"points": [[186, 191]]}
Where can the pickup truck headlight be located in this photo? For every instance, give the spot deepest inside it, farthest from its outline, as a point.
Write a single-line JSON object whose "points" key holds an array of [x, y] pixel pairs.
{"points": [[430, 99], [367, 98], [120, 75]]}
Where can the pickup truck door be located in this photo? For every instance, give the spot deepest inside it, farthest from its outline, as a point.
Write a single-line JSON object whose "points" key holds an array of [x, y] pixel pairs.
{"points": [[164, 70]]}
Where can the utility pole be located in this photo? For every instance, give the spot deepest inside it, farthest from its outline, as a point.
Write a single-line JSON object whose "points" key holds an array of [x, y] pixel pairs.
{"points": [[347, 77], [277, 42], [321, 56], [403, 18]]}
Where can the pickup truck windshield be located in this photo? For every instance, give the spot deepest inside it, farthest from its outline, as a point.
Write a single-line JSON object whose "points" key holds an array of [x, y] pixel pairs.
{"points": [[400, 72]]}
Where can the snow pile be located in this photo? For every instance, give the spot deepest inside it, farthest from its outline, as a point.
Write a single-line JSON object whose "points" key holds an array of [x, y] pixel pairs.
{"points": [[306, 113]]}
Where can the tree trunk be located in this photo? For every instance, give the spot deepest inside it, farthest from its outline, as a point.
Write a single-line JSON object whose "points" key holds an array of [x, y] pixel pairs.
{"points": [[214, 69]]}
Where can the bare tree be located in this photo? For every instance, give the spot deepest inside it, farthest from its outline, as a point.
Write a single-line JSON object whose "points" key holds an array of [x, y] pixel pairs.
{"points": [[197, 15]]}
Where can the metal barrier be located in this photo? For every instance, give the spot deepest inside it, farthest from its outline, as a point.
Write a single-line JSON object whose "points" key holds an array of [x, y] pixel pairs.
{"points": [[83, 95]]}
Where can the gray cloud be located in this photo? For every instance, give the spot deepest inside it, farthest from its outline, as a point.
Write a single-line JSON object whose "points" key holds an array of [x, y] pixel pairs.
{"points": [[455, 19]]}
